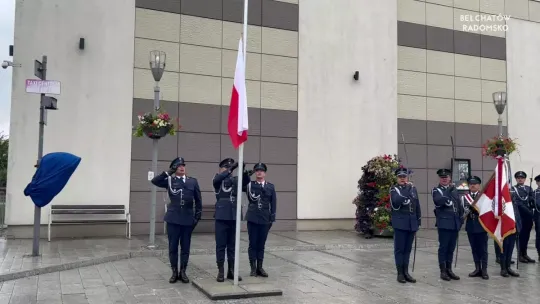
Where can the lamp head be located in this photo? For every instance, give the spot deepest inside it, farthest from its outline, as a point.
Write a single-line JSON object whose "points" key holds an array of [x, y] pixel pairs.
{"points": [[499, 100], [157, 64]]}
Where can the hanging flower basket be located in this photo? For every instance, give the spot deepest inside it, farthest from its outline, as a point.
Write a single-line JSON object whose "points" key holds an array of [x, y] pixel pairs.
{"points": [[155, 125], [497, 145], [373, 213]]}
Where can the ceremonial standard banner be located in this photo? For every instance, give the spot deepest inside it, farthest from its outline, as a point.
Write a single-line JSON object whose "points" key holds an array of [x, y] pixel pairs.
{"points": [[495, 207]]}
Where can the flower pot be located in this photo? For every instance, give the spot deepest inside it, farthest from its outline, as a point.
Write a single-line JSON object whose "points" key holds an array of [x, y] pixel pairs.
{"points": [[383, 232], [156, 133]]}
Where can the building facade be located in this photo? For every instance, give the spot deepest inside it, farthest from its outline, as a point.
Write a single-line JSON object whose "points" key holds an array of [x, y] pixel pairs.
{"points": [[426, 70]]}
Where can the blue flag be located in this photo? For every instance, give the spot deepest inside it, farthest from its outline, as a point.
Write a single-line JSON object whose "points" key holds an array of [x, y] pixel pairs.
{"points": [[51, 177]]}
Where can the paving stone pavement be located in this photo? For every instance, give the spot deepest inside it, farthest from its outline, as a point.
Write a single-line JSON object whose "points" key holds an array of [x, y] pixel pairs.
{"points": [[364, 274]]}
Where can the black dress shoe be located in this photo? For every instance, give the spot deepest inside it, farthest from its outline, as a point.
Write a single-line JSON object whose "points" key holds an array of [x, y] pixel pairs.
{"points": [[182, 275], [253, 266], [504, 271], [477, 272], [451, 274], [221, 274], [444, 273], [406, 274], [529, 259], [511, 272], [523, 260], [260, 269], [400, 275], [483, 272], [174, 276], [230, 271]]}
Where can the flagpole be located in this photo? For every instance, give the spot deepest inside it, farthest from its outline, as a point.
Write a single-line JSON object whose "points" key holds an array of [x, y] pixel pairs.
{"points": [[240, 166]]}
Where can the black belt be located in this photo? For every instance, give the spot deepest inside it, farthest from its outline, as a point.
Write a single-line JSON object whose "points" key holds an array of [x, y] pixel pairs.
{"points": [[183, 204]]}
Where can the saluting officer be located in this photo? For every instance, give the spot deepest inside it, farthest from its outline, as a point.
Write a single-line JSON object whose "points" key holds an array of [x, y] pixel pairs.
{"points": [[183, 214], [449, 219], [478, 238], [523, 197], [537, 214], [225, 187], [406, 220], [260, 216]]}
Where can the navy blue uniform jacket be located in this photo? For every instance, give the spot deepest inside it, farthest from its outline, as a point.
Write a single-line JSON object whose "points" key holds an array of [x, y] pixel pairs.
{"points": [[185, 207], [262, 203], [448, 208], [406, 212], [225, 187]]}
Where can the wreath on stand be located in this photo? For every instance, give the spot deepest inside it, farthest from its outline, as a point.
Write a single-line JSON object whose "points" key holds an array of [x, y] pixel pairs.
{"points": [[373, 211]]}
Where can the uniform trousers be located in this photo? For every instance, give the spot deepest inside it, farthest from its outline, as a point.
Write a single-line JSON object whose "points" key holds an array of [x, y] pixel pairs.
{"points": [[447, 244], [525, 233], [257, 239], [179, 234], [537, 229], [479, 246], [225, 231], [508, 249], [403, 242]]}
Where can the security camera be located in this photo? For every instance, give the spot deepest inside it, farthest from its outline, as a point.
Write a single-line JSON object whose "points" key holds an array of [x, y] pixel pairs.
{"points": [[5, 64]]}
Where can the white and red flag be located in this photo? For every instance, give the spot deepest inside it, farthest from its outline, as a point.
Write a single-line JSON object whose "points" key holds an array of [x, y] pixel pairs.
{"points": [[494, 206], [238, 111]]}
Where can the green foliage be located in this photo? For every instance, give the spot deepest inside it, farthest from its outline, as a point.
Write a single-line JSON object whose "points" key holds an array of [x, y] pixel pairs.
{"points": [[4, 145]]}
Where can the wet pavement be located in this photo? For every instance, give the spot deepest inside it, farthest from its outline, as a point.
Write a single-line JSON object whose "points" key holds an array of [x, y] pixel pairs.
{"points": [[331, 266]]}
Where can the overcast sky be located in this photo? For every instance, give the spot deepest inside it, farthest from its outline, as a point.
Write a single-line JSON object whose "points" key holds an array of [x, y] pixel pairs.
{"points": [[7, 17]]}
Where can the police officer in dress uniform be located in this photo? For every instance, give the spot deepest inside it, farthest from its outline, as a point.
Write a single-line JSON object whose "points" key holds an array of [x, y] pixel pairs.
{"points": [[449, 219], [183, 214], [260, 215], [478, 237], [406, 220], [225, 188], [509, 243], [537, 214], [523, 197]]}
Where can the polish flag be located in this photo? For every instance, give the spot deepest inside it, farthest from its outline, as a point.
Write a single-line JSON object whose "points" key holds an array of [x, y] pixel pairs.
{"points": [[238, 111], [495, 205]]}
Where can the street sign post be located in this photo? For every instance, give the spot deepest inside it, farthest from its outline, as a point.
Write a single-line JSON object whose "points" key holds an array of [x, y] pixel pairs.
{"points": [[42, 87]]}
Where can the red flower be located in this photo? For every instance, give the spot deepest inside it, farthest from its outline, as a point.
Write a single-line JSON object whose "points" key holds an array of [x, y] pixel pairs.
{"points": [[372, 184], [387, 206]]}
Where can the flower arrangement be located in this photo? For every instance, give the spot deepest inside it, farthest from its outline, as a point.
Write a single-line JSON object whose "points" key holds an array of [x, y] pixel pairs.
{"points": [[155, 125], [490, 148], [373, 200]]}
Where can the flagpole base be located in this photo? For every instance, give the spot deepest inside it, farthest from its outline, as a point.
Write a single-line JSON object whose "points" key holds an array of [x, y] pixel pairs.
{"points": [[251, 287]]}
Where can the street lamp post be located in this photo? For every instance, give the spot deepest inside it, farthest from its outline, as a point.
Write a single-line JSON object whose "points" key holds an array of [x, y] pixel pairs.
{"points": [[157, 66], [499, 100]]}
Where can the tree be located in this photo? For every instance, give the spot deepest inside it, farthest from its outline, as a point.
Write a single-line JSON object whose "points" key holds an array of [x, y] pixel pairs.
{"points": [[4, 145]]}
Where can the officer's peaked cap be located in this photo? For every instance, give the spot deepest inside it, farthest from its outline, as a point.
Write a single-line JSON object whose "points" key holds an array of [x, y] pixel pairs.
{"points": [[179, 161], [226, 163], [537, 178], [520, 174], [474, 180], [260, 166], [444, 172], [401, 171]]}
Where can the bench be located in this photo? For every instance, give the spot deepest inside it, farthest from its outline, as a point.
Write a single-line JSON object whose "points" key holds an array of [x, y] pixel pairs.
{"points": [[89, 214]]}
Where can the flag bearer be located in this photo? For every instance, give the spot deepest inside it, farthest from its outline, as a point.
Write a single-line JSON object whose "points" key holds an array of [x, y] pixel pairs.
{"points": [[260, 215], [406, 220], [537, 214], [449, 219], [183, 214], [225, 188], [523, 198], [478, 237]]}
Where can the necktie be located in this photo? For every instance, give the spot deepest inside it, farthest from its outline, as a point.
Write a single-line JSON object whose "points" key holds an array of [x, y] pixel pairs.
{"points": [[474, 195], [182, 180]]}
